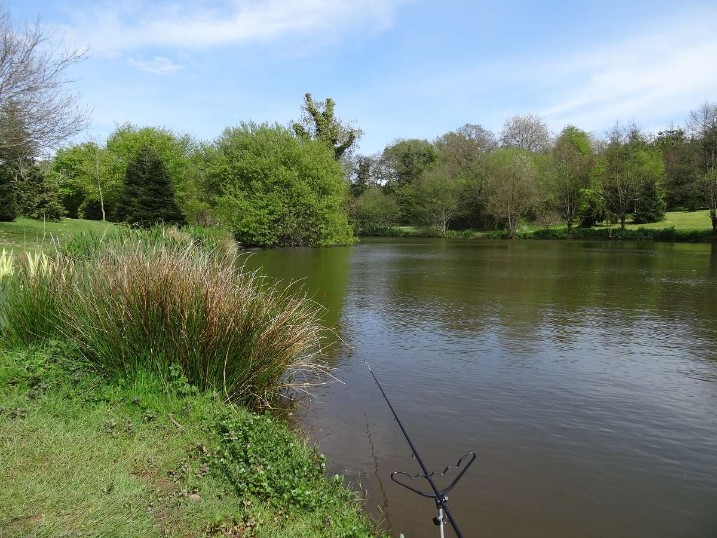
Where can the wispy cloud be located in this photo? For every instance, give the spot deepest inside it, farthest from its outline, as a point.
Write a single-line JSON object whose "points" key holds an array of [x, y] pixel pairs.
{"points": [[656, 75], [159, 65], [114, 27]]}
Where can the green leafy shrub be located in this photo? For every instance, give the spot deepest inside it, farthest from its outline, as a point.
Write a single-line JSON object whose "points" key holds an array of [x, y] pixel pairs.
{"points": [[628, 234], [278, 189]]}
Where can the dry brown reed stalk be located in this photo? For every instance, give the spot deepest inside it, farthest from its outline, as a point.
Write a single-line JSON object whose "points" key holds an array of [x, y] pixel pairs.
{"points": [[138, 307]]}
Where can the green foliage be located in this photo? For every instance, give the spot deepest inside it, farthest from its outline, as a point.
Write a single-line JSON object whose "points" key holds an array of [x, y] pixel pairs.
{"points": [[374, 212], [84, 176], [573, 162], [630, 169], [261, 457], [651, 205], [407, 159], [404, 162], [38, 198], [437, 196], [463, 155], [628, 234], [511, 188], [319, 123], [148, 195], [132, 306], [181, 155], [278, 189], [680, 175], [8, 194]]}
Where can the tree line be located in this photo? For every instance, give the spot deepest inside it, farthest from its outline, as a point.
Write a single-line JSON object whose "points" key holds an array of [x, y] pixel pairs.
{"points": [[273, 185], [473, 178], [302, 184]]}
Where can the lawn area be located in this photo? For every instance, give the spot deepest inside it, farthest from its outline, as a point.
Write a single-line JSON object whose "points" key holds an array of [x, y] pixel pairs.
{"points": [[31, 235], [85, 456], [681, 220]]}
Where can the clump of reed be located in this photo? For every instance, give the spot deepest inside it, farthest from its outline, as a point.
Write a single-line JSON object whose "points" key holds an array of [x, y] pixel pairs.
{"points": [[137, 305], [30, 291], [6, 264]]}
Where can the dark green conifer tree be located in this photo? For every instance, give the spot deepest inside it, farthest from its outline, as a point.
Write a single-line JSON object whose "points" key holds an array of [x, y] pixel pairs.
{"points": [[8, 196], [148, 195], [37, 198]]}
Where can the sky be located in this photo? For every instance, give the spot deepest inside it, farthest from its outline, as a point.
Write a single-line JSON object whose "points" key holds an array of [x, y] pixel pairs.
{"points": [[395, 68]]}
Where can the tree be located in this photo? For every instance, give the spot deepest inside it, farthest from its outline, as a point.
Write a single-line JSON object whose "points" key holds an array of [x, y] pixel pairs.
{"points": [[627, 168], [278, 189], [511, 188], [465, 146], [8, 193], [38, 198], [361, 174], [407, 159], [319, 123], [529, 133], [374, 211], [702, 126], [33, 82], [681, 173], [437, 195], [403, 163], [179, 153], [573, 162], [463, 154], [89, 186], [148, 195]]}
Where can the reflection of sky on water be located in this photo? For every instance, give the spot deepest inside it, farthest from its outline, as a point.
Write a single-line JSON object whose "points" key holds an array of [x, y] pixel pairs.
{"points": [[580, 373]]}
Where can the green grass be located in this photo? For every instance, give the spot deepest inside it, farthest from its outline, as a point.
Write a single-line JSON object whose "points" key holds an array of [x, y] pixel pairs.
{"points": [[82, 455], [28, 235], [681, 220], [121, 367]]}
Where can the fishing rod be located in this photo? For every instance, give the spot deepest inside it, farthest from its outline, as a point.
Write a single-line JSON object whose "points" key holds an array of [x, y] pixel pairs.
{"points": [[438, 495]]}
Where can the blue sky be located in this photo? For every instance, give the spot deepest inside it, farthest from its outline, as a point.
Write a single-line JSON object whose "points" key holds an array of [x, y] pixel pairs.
{"points": [[396, 68]]}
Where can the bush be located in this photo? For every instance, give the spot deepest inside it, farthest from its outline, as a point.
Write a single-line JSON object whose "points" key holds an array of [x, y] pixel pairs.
{"points": [[147, 305], [279, 190], [628, 234]]}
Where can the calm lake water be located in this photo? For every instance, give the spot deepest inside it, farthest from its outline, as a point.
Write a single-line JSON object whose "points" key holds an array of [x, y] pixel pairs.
{"points": [[583, 374]]}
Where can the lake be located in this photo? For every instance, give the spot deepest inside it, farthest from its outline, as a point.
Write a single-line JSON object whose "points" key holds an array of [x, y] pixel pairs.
{"points": [[583, 375]]}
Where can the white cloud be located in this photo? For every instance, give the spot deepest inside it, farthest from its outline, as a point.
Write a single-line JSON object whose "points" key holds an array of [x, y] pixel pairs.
{"points": [[649, 78], [113, 27], [159, 65]]}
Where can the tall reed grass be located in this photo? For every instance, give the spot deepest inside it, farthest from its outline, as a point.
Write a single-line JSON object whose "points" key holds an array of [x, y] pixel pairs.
{"points": [[134, 305], [30, 291]]}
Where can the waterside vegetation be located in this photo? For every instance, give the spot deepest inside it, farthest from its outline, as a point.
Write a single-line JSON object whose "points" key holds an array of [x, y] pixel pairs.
{"points": [[132, 368]]}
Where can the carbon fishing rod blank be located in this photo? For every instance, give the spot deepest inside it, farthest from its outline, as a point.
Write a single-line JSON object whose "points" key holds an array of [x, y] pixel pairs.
{"points": [[438, 495]]}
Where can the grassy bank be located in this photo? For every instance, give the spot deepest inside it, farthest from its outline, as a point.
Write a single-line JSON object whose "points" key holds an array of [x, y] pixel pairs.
{"points": [[85, 455], [125, 370], [28, 235], [678, 226]]}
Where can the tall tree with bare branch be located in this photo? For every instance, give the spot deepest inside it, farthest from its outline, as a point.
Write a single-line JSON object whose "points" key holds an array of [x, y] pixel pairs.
{"points": [[37, 112], [702, 126]]}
